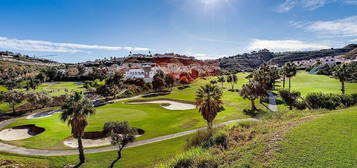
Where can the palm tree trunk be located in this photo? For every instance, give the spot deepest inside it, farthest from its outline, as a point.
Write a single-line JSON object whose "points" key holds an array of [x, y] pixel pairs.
{"points": [[222, 85], [13, 108], [253, 105], [284, 81], [343, 87], [232, 85], [289, 84], [81, 153], [209, 125], [118, 158]]}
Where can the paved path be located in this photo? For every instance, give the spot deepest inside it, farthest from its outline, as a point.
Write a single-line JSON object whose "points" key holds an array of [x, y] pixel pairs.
{"points": [[39, 152], [272, 103], [129, 98]]}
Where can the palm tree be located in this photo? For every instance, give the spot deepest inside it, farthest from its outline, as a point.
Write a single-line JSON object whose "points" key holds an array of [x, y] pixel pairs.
{"points": [[342, 72], [289, 71], [121, 134], [252, 91], [208, 102], [76, 109], [222, 80], [232, 78]]}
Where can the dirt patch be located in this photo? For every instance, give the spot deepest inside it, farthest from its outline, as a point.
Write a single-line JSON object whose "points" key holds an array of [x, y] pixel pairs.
{"points": [[169, 104], [20, 132], [278, 136]]}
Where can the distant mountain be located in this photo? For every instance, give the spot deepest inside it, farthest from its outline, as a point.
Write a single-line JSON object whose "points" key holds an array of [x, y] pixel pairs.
{"points": [[250, 61], [281, 58], [246, 61], [17, 58]]}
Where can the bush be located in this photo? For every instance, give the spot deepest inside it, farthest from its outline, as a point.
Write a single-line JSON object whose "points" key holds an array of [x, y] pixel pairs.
{"points": [[184, 163], [220, 140], [354, 97], [207, 163], [300, 105], [199, 138], [292, 99], [330, 101], [189, 158]]}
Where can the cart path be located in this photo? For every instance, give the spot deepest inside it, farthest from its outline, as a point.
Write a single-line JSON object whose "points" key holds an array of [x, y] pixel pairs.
{"points": [[41, 152], [272, 103]]}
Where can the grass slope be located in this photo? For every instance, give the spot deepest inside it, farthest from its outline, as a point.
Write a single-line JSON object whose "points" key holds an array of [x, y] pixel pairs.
{"points": [[307, 83], [22, 161], [328, 141]]}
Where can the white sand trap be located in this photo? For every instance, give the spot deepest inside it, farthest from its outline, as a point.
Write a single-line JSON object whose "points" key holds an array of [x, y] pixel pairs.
{"points": [[88, 143], [11, 134], [173, 105], [42, 114]]}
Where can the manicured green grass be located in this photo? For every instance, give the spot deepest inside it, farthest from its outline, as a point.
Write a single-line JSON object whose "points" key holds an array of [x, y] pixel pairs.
{"points": [[155, 120], [60, 88], [307, 83], [141, 156], [328, 141]]}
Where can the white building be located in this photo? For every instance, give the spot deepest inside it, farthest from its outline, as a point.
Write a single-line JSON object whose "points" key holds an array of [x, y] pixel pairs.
{"points": [[145, 73]]}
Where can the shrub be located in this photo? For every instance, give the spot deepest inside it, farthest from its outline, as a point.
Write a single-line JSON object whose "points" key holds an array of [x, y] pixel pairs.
{"points": [[354, 97], [220, 140], [347, 100], [330, 101], [189, 158], [183, 163], [300, 105], [253, 113], [207, 163], [289, 97], [199, 138]]}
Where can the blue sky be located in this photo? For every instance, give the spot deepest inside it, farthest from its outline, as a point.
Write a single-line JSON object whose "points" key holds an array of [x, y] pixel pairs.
{"points": [[80, 30]]}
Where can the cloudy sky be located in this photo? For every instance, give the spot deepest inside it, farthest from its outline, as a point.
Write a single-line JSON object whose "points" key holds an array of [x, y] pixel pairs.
{"points": [[80, 30]]}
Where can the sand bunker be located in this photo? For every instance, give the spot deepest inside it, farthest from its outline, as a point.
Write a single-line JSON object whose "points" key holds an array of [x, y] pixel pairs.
{"points": [[168, 104], [87, 143], [42, 114], [20, 132], [93, 139]]}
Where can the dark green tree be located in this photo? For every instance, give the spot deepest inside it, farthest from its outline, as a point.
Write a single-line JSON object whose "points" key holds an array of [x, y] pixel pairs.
{"points": [[76, 109], [209, 102]]}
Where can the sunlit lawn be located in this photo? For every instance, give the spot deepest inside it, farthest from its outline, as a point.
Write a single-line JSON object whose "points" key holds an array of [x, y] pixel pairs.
{"points": [[328, 141], [307, 83]]}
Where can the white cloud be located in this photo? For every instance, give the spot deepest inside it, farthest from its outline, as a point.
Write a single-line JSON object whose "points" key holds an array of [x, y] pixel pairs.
{"points": [[354, 40], [346, 27], [352, 2], [284, 45], [288, 5], [47, 46]]}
